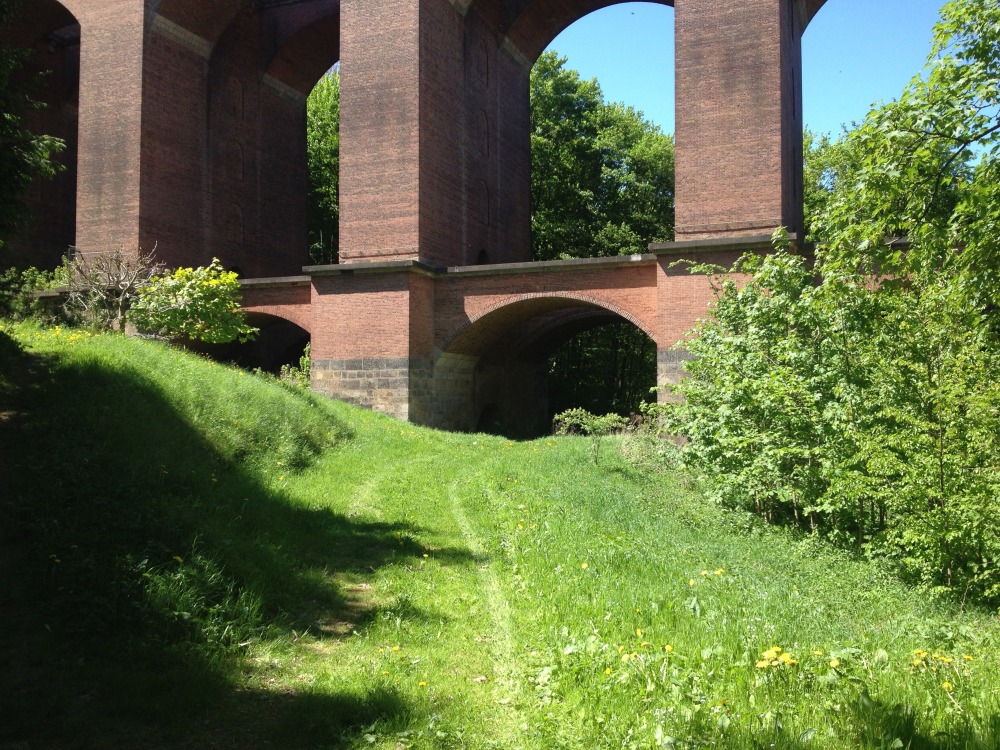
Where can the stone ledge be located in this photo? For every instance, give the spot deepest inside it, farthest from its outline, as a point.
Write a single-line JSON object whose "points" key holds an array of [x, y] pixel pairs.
{"points": [[275, 282], [718, 245]]}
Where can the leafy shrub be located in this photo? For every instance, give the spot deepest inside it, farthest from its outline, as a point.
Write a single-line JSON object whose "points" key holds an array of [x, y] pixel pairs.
{"points": [[19, 293], [857, 397], [594, 426], [298, 376], [201, 304]]}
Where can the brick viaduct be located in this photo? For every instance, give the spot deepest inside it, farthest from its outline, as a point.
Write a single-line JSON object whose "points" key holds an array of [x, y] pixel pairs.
{"points": [[185, 121]]}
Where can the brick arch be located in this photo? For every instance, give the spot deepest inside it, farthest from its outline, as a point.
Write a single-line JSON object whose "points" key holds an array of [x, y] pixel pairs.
{"points": [[495, 367], [46, 17], [206, 21], [305, 43], [287, 299], [492, 323], [533, 24], [268, 313]]}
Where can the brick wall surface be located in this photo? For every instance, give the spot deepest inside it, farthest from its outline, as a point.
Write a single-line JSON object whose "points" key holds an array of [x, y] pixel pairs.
{"points": [[191, 122]]}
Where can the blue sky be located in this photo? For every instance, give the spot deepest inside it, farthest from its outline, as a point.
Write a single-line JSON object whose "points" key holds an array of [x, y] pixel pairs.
{"points": [[855, 53]]}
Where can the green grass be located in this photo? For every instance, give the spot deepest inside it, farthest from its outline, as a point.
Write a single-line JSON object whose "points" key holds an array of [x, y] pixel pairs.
{"points": [[195, 557]]}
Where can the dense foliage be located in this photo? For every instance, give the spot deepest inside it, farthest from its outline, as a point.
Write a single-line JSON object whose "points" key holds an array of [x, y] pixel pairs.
{"points": [[24, 156], [323, 153], [602, 176], [859, 397], [200, 304]]}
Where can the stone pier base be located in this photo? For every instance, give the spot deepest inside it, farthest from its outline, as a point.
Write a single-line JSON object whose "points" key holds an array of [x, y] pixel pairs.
{"points": [[399, 387]]}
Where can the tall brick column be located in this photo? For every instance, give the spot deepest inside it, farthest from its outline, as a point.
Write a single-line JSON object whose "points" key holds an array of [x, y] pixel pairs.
{"points": [[739, 116], [110, 142], [435, 172], [435, 160]]}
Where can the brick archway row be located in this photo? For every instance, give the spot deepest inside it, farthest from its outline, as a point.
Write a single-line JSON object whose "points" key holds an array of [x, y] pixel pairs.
{"points": [[191, 123], [191, 138]]}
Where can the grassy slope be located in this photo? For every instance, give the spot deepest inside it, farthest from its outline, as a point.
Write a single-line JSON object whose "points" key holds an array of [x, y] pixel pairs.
{"points": [[193, 557]]}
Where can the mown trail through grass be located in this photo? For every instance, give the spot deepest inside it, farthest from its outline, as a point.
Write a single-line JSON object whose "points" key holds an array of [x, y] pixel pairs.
{"points": [[201, 558]]}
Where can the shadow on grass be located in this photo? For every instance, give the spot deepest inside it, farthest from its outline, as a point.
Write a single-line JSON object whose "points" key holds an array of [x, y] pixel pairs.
{"points": [[136, 561]]}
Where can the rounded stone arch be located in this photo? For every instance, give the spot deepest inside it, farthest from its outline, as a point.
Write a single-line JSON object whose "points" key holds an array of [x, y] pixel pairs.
{"points": [[51, 32], [491, 374], [533, 24]]}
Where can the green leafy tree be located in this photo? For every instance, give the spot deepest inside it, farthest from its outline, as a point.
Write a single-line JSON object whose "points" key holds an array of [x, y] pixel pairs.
{"points": [[323, 143], [24, 156], [602, 176], [858, 397], [201, 304]]}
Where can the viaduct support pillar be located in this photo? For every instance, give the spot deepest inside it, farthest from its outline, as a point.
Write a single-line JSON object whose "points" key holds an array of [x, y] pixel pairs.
{"points": [[739, 117], [110, 142]]}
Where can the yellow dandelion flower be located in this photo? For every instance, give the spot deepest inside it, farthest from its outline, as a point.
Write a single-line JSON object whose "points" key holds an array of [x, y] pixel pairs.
{"points": [[834, 662], [638, 632], [719, 571], [668, 648], [763, 664], [644, 644], [690, 582], [385, 673], [817, 652], [584, 566], [607, 671], [626, 657], [704, 574], [395, 648], [421, 683], [967, 657], [947, 687]]}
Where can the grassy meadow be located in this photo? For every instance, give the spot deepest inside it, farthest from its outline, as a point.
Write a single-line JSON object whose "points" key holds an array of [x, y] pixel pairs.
{"points": [[192, 556]]}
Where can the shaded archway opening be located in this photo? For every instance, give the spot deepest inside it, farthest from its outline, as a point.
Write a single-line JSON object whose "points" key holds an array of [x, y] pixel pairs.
{"points": [[602, 172], [496, 375], [50, 34], [607, 368], [279, 343], [263, 69]]}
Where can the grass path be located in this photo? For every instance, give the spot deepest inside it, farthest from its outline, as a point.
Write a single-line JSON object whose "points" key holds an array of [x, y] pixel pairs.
{"points": [[223, 562]]}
